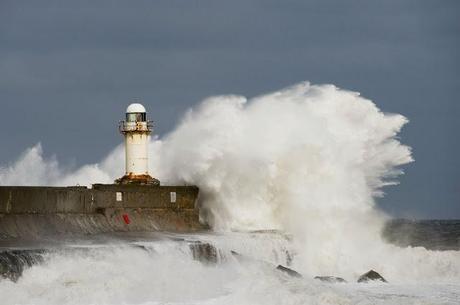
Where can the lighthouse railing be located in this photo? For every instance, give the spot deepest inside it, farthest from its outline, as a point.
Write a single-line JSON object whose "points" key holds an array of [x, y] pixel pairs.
{"points": [[124, 126]]}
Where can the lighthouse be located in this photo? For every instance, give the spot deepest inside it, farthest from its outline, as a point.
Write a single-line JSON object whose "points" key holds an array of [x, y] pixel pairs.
{"points": [[136, 130]]}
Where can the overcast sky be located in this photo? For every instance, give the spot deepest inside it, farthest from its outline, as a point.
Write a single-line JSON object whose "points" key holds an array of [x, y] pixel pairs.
{"points": [[69, 68]]}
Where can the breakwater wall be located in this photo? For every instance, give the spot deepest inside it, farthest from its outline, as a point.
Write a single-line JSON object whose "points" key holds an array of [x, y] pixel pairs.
{"points": [[32, 212]]}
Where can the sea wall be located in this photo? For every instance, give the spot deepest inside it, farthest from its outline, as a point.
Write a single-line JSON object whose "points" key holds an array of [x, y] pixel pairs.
{"points": [[32, 212]]}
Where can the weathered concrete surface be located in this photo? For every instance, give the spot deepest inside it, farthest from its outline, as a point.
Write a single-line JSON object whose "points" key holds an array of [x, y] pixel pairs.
{"points": [[31, 212]]}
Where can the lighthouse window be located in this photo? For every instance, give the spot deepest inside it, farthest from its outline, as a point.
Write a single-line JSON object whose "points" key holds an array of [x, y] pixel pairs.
{"points": [[131, 117], [172, 196], [135, 117]]}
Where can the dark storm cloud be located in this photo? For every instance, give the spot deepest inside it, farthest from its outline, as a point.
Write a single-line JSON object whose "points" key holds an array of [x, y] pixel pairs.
{"points": [[68, 68]]}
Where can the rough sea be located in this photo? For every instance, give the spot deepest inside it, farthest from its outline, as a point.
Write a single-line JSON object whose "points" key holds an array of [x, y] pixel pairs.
{"points": [[221, 268], [441, 235]]}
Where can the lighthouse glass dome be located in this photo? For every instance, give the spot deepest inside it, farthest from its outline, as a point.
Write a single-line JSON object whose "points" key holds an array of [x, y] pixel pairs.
{"points": [[136, 113]]}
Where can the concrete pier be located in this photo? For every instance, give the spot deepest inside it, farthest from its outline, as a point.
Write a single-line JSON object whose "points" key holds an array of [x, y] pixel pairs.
{"points": [[33, 212]]}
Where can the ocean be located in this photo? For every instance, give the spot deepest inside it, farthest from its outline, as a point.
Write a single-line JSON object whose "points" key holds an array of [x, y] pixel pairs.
{"points": [[224, 268], [430, 234]]}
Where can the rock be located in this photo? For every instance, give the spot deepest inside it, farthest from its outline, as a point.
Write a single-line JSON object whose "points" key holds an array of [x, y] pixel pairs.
{"points": [[330, 279], [204, 252], [142, 247], [371, 276], [235, 253], [288, 257], [288, 271], [13, 263]]}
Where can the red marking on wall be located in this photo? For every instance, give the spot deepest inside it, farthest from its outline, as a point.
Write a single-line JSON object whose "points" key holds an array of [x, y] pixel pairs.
{"points": [[126, 219]]}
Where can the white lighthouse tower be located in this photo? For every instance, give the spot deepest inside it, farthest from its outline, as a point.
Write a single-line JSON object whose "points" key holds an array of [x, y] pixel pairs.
{"points": [[136, 130]]}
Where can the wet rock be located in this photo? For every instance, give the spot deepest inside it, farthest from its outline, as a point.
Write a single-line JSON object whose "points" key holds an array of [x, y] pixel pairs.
{"points": [[204, 252], [13, 263], [288, 257], [288, 271], [235, 253], [371, 276], [241, 258], [142, 247], [330, 279]]}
